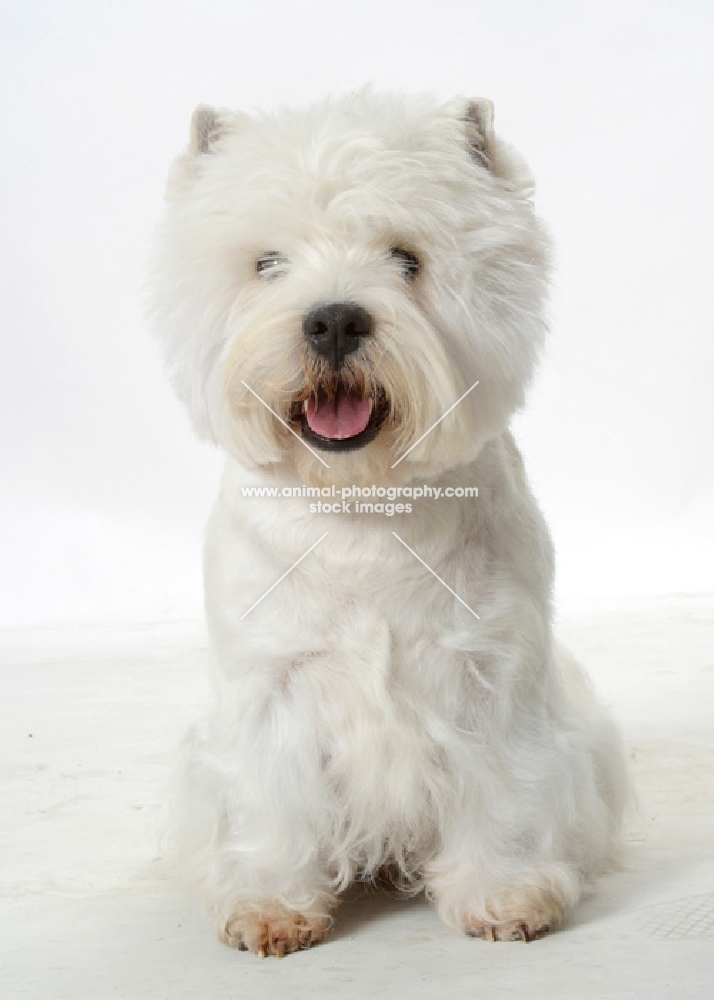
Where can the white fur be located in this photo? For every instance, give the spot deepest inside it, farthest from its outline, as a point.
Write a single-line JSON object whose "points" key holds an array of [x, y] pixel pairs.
{"points": [[363, 716]]}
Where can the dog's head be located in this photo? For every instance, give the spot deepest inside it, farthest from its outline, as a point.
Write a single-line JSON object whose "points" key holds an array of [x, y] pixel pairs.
{"points": [[351, 269]]}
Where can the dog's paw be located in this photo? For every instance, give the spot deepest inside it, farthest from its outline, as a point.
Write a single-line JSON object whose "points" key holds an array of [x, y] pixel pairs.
{"points": [[509, 930], [272, 929], [532, 919]]}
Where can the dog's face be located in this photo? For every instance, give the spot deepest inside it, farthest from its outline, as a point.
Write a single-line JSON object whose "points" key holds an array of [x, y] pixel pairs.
{"points": [[355, 268]]}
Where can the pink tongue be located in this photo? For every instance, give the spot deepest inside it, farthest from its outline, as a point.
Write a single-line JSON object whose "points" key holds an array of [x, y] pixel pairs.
{"points": [[341, 417]]}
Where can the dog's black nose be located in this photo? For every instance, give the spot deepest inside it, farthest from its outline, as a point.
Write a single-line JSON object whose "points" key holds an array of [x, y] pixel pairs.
{"points": [[335, 329]]}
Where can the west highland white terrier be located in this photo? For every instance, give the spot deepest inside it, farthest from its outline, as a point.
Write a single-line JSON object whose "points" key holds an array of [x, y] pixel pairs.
{"points": [[350, 301]]}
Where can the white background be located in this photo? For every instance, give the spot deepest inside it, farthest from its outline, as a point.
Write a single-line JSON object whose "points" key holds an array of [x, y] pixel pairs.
{"points": [[104, 491]]}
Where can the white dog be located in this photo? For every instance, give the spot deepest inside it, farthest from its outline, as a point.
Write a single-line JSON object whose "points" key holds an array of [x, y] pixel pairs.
{"points": [[339, 277]]}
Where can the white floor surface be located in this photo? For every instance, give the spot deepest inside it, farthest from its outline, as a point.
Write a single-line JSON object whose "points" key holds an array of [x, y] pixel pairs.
{"points": [[89, 719]]}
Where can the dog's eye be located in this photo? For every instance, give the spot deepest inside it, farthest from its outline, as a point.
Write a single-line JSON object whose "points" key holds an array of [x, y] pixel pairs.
{"points": [[270, 264], [408, 261]]}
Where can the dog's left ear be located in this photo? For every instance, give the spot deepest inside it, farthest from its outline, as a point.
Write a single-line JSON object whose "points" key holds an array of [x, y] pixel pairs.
{"points": [[206, 128], [479, 130]]}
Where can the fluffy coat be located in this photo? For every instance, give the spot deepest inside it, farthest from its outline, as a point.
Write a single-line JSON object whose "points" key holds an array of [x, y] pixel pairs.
{"points": [[363, 716]]}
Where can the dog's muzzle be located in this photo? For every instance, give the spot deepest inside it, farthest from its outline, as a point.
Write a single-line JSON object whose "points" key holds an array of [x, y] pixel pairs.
{"points": [[338, 414]]}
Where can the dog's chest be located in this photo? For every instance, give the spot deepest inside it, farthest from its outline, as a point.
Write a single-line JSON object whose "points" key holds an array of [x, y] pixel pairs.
{"points": [[385, 714]]}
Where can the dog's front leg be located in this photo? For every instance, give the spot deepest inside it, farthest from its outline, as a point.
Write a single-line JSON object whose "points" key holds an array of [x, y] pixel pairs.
{"points": [[251, 800], [535, 817], [492, 879]]}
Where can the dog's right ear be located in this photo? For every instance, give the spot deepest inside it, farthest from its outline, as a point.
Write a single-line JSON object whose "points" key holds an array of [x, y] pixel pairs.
{"points": [[207, 127]]}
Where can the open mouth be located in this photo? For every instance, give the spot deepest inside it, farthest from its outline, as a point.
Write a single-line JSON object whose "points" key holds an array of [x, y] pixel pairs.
{"points": [[344, 421]]}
